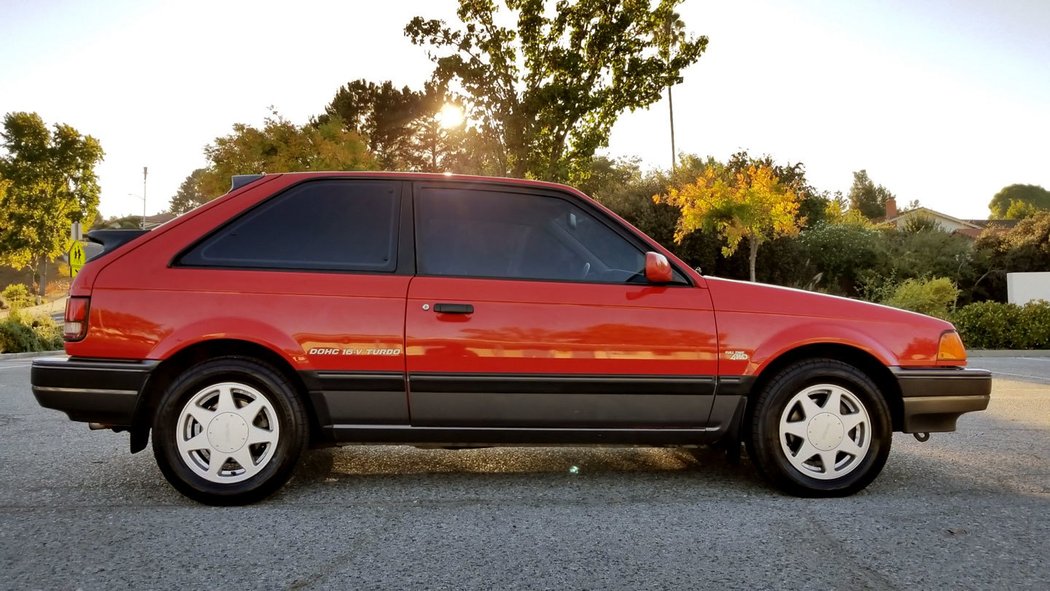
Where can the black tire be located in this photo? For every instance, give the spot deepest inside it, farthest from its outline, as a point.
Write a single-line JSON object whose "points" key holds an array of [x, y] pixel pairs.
{"points": [[798, 464], [281, 414]]}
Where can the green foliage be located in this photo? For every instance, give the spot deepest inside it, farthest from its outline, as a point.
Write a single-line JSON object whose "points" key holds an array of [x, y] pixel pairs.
{"points": [[1019, 210], [20, 333], [1023, 248], [124, 222], [841, 252], [933, 297], [867, 197], [997, 325], [191, 193], [403, 127], [383, 115], [926, 253], [48, 182], [1017, 201], [282, 146], [17, 296], [919, 223], [546, 92]]}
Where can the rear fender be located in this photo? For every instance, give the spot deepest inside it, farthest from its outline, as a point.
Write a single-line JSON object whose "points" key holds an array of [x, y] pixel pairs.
{"points": [[232, 328]]}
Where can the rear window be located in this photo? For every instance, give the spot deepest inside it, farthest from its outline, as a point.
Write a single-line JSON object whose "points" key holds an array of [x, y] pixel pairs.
{"points": [[337, 225]]}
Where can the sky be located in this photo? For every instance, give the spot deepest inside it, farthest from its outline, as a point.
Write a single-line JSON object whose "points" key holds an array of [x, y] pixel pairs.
{"points": [[941, 101]]}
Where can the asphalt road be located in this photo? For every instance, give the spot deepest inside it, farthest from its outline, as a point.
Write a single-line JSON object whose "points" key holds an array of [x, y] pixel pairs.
{"points": [[969, 510]]}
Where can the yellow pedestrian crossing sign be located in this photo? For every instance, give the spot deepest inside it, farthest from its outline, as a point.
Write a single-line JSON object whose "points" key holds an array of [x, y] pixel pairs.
{"points": [[76, 258]]}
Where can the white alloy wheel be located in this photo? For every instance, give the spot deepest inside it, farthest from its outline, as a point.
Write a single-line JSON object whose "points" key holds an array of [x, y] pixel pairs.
{"points": [[825, 431], [227, 432]]}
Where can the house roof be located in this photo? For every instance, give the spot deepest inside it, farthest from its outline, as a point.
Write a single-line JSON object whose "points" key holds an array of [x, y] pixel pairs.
{"points": [[969, 224], [1004, 224]]}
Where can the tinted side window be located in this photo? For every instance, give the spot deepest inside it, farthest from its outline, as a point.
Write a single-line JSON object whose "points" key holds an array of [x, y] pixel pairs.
{"points": [[342, 225], [476, 233]]}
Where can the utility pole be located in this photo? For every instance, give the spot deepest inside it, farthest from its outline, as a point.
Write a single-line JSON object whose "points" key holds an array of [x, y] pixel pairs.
{"points": [[145, 171], [674, 153], [672, 30]]}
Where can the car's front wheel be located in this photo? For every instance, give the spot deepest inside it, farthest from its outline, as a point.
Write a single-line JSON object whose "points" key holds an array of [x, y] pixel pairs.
{"points": [[820, 428], [229, 431]]}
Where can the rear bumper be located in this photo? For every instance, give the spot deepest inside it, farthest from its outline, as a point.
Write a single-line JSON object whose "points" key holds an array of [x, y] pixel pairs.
{"points": [[935, 398], [90, 390]]}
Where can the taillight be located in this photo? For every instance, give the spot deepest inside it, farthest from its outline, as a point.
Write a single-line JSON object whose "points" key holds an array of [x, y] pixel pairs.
{"points": [[75, 327]]}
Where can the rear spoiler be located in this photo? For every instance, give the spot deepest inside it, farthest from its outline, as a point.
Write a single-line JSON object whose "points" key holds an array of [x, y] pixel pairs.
{"points": [[240, 180], [112, 239]]}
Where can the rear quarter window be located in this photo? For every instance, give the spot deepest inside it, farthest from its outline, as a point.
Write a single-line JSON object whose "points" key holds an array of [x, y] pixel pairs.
{"points": [[335, 225]]}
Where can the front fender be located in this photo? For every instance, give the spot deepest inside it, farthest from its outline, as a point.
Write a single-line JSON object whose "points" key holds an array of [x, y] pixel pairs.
{"points": [[815, 333]]}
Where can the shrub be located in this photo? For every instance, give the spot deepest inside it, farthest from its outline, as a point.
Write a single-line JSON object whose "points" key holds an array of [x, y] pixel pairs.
{"points": [[934, 297], [995, 325], [840, 251], [1035, 317], [987, 325], [19, 334], [17, 296]]}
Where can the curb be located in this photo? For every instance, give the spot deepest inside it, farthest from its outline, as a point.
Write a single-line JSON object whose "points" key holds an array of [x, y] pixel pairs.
{"points": [[1008, 353], [6, 356]]}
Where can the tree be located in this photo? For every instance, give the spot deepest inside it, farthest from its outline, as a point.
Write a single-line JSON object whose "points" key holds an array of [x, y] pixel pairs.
{"points": [[841, 251], [546, 94], [925, 251], [867, 197], [281, 146], [385, 117], [1020, 210], [123, 222], [1023, 248], [51, 184], [190, 194], [750, 204], [1017, 201], [919, 222], [813, 205]]}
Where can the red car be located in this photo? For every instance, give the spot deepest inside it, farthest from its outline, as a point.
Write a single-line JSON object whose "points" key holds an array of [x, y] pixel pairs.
{"points": [[376, 308]]}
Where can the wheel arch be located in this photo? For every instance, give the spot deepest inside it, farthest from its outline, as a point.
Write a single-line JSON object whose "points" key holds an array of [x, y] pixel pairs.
{"points": [[862, 360], [174, 365]]}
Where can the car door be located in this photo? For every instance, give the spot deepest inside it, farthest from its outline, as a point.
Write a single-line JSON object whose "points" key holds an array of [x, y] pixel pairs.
{"points": [[319, 270], [530, 309]]}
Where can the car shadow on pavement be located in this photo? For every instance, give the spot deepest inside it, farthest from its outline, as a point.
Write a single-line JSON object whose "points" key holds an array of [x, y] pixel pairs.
{"points": [[353, 466]]}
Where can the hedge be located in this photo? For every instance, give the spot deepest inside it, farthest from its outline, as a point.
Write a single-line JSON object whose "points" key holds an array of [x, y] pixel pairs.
{"points": [[20, 333], [994, 325]]}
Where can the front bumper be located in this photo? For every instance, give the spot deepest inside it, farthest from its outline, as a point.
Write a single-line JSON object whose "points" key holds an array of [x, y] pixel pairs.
{"points": [[90, 390], [935, 398]]}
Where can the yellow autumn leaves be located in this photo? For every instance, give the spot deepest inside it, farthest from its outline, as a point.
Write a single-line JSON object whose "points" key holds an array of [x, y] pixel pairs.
{"points": [[749, 204]]}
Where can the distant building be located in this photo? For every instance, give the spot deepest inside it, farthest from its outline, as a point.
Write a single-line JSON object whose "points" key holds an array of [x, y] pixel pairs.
{"points": [[152, 221], [969, 228]]}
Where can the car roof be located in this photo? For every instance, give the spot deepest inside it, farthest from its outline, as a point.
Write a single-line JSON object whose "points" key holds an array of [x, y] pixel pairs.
{"points": [[433, 176]]}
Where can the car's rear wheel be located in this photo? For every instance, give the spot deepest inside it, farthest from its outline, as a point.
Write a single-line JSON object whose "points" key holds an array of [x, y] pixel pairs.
{"points": [[229, 431], [820, 428]]}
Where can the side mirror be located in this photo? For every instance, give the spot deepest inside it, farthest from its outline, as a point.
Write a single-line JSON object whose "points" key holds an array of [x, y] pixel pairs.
{"points": [[657, 268]]}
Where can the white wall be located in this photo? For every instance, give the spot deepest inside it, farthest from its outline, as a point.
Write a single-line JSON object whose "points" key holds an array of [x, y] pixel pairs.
{"points": [[1022, 288]]}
